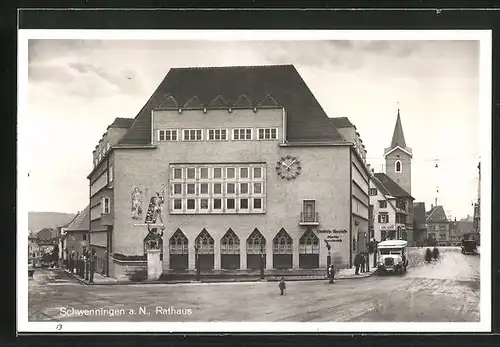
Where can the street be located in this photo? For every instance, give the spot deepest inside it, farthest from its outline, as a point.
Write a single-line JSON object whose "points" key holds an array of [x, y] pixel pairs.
{"points": [[446, 290]]}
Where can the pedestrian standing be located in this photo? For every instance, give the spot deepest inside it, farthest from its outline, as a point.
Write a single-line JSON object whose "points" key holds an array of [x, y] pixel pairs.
{"points": [[357, 263], [363, 262], [282, 285], [331, 273]]}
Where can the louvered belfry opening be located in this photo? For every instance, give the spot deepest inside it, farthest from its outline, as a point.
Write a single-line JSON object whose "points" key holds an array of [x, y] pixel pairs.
{"points": [[282, 250], [256, 249], [206, 250], [179, 251]]}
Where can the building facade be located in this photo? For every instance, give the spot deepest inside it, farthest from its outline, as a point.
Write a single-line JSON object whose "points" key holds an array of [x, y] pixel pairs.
{"points": [[419, 224], [243, 162], [438, 226], [76, 237], [392, 207]]}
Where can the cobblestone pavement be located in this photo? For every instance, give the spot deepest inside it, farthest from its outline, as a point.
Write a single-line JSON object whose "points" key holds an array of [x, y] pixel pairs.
{"points": [[446, 290]]}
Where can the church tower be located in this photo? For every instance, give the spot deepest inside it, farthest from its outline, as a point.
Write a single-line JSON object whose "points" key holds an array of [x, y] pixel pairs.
{"points": [[398, 158]]}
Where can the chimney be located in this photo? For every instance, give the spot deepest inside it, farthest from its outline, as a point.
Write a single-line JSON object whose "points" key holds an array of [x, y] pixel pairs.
{"points": [[432, 206], [436, 201]]}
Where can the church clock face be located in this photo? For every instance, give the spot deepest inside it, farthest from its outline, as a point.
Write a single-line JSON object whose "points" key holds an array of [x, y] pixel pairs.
{"points": [[288, 167]]}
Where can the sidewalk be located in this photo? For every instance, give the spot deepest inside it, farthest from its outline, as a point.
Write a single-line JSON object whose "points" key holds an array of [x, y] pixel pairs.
{"points": [[341, 274]]}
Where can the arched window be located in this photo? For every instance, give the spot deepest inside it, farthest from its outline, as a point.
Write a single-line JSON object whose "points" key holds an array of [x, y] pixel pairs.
{"points": [[282, 243], [309, 243], [206, 242], [256, 243], [230, 243], [399, 166], [178, 243]]}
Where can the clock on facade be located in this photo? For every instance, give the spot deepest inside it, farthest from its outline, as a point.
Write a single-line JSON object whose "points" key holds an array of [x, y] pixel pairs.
{"points": [[288, 167]]}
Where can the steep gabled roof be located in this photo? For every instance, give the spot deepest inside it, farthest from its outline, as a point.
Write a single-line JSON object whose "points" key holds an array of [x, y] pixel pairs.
{"points": [[398, 138], [380, 186], [392, 187], [436, 215], [81, 222], [306, 120], [121, 123], [341, 122], [419, 212]]}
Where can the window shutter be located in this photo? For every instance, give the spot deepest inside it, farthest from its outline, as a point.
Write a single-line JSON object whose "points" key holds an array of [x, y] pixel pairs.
{"points": [[379, 219], [387, 218]]}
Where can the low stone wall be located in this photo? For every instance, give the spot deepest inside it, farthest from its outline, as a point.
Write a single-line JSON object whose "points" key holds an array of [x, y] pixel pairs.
{"points": [[129, 270]]}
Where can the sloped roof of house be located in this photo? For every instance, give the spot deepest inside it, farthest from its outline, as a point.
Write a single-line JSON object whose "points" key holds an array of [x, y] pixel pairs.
{"points": [[81, 221], [392, 187], [280, 85], [341, 122], [380, 186], [419, 212], [121, 123], [436, 215], [46, 234]]}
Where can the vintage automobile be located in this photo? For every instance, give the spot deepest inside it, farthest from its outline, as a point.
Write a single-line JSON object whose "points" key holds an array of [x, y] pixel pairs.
{"points": [[392, 256], [469, 247]]}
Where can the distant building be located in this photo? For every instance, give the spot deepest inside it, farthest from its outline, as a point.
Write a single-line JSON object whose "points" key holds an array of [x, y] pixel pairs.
{"points": [[34, 251], [46, 240], [438, 226], [391, 206], [419, 224], [477, 205], [77, 234]]}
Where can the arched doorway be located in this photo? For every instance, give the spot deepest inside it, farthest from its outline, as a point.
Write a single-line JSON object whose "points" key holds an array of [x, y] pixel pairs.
{"points": [[178, 250], [230, 251], [282, 250], [256, 248], [206, 250], [309, 250]]}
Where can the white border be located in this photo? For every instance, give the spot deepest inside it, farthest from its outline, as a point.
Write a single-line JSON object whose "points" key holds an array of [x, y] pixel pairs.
{"points": [[484, 36]]}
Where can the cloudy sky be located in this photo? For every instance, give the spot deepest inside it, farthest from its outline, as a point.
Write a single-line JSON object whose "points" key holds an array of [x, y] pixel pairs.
{"points": [[77, 87]]}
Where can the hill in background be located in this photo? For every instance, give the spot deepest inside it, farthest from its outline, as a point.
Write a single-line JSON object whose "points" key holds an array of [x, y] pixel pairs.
{"points": [[40, 220]]}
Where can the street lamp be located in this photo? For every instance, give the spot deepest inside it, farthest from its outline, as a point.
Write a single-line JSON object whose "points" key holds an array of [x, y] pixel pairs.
{"points": [[262, 260], [197, 261], [329, 256]]}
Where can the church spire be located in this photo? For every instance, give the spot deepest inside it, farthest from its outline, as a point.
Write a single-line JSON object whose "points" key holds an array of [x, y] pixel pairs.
{"points": [[398, 138]]}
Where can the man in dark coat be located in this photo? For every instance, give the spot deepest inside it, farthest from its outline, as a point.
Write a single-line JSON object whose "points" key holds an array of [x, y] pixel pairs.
{"points": [[357, 263], [362, 262], [282, 285]]}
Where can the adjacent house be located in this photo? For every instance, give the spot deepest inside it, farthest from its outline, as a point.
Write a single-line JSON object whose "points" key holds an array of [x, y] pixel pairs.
{"points": [[438, 226]]}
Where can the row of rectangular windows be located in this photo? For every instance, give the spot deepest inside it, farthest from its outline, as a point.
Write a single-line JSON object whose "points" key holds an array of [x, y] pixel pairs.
{"points": [[216, 173], [217, 134], [217, 205], [216, 188]]}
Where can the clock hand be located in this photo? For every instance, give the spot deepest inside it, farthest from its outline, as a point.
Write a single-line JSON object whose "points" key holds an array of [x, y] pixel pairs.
{"points": [[283, 163], [293, 162]]}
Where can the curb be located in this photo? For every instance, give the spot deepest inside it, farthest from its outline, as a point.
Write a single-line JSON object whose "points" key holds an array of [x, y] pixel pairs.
{"points": [[85, 282]]}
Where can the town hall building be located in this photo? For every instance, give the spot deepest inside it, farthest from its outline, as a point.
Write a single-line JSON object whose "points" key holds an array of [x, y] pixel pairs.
{"points": [[241, 162]]}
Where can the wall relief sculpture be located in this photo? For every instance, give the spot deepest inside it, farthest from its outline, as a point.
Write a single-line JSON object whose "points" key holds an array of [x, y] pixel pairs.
{"points": [[136, 200], [154, 216]]}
